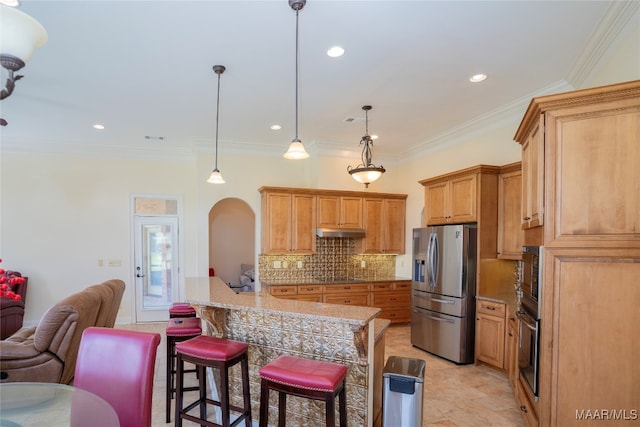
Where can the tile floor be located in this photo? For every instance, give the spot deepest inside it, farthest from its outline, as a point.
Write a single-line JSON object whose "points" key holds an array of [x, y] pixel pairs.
{"points": [[454, 396]]}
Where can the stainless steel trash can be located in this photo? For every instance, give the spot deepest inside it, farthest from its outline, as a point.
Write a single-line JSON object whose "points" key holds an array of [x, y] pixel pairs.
{"points": [[402, 392]]}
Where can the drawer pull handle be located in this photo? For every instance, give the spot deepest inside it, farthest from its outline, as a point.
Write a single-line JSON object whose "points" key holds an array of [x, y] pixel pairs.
{"points": [[489, 307], [347, 301]]}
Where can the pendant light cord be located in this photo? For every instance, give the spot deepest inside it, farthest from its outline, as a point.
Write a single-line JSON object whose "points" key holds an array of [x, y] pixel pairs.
{"points": [[297, 60], [217, 120]]}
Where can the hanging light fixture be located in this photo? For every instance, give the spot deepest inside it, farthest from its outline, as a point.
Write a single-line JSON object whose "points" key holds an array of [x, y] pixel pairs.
{"points": [[366, 172], [216, 176], [20, 36], [296, 150]]}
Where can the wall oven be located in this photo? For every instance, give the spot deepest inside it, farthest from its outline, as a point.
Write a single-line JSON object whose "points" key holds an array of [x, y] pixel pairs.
{"points": [[529, 314]]}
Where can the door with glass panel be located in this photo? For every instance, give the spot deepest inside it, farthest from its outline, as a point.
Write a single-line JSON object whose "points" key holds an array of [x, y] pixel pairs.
{"points": [[156, 266]]}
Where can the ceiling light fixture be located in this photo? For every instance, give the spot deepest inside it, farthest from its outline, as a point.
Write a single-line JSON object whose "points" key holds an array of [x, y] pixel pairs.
{"points": [[20, 35], [476, 78], [335, 51], [216, 176], [296, 150], [366, 172]]}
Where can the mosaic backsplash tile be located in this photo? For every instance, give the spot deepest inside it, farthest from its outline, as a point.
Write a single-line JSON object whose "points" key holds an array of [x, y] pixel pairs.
{"points": [[335, 259]]}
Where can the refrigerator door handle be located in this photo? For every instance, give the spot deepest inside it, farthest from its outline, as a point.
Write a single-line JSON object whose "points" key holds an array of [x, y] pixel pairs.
{"points": [[428, 261], [443, 301], [434, 259], [439, 319]]}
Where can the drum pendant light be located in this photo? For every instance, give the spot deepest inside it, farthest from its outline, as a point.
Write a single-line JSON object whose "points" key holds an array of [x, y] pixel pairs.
{"points": [[216, 176], [366, 172], [296, 150]]}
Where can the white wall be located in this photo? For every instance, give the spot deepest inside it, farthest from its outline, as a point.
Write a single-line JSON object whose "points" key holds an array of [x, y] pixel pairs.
{"points": [[60, 214]]}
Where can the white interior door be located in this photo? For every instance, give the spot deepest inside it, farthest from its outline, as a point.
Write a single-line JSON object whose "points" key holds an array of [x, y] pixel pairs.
{"points": [[156, 264]]}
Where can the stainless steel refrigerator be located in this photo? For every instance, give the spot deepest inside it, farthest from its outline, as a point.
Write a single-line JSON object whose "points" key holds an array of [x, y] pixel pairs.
{"points": [[443, 291]]}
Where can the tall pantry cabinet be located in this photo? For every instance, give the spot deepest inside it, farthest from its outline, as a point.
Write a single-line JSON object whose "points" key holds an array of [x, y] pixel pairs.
{"points": [[589, 224]]}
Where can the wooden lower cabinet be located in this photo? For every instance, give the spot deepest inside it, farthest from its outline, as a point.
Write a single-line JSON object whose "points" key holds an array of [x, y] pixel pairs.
{"points": [[490, 327], [393, 297], [348, 294], [511, 347], [525, 404]]}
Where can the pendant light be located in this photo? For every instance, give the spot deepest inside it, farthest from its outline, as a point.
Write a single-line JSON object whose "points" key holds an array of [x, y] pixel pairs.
{"points": [[296, 150], [366, 172], [216, 176]]}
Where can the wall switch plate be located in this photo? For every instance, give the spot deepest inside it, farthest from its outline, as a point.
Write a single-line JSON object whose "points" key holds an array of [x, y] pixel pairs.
{"points": [[363, 264], [285, 264], [277, 264], [299, 264]]}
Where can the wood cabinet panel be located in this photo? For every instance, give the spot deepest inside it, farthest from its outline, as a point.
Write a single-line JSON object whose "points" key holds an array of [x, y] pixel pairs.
{"points": [[600, 141], [511, 347], [490, 333], [510, 233], [533, 177], [339, 212], [452, 201], [384, 224], [288, 223], [589, 336], [347, 299]]}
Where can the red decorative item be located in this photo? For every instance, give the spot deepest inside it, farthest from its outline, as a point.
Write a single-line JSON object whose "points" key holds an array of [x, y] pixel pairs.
{"points": [[211, 272], [9, 280]]}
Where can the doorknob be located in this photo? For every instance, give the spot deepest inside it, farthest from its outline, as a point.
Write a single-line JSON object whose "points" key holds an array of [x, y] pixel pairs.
{"points": [[138, 272]]}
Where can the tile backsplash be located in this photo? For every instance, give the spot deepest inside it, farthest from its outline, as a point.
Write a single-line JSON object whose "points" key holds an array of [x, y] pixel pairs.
{"points": [[335, 259]]}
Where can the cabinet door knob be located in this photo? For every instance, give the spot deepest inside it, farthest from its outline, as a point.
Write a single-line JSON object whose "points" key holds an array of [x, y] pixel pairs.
{"points": [[523, 408]]}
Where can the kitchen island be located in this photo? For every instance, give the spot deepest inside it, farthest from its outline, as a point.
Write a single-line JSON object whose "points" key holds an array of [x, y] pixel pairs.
{"points": [[271, 326]]}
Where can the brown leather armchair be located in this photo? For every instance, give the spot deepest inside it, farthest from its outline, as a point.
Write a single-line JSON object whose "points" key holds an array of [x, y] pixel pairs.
{"points": [[48, 352], [12, 311]]}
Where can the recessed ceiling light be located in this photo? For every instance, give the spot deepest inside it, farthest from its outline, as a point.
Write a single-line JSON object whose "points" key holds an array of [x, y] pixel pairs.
{"points": [[98, 126], [276, 127], [477, 78], [335, 51]]}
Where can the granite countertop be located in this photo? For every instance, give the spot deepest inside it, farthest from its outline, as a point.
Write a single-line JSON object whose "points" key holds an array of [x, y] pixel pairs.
{"points": [[293, 282], [504, 297], [212, 291]]}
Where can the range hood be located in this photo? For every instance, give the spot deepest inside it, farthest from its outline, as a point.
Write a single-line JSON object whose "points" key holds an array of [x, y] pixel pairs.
{"points": [[355, 233]]}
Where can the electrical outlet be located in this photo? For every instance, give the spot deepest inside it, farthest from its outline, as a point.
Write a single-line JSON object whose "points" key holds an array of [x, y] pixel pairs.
{"points": [[285, 264], [277, 264], [363, 264], [299, 264]]}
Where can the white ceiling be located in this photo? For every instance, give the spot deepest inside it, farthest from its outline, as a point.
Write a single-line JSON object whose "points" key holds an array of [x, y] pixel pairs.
{"points": [[143, 68]]}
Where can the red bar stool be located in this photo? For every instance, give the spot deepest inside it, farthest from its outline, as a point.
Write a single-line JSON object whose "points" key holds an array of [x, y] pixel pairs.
{"points": [[312, 379], [181, 309], [178, 330], [209, 352]]}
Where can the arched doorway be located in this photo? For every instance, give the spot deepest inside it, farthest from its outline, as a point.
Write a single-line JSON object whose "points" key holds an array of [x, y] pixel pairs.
{"points": [[231, 239]]}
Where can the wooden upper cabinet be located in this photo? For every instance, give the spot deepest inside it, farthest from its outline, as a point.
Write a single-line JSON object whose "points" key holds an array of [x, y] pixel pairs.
{"points": [[580, 152], [510, 233], [339, 212], [384, 224], [288, 223], [452, 201], [533, 177]]}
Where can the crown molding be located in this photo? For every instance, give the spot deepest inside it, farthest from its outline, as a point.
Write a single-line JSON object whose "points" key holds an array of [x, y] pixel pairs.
{"points": [[608, 30]]}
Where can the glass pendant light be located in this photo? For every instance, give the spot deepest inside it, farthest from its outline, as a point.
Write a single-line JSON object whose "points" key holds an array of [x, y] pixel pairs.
{"points": [[296, 149], [366, 172], [216, 176]]}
